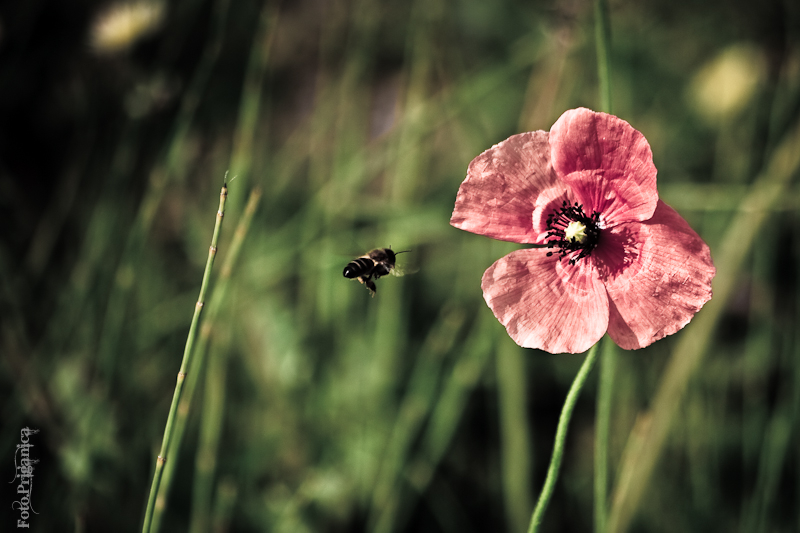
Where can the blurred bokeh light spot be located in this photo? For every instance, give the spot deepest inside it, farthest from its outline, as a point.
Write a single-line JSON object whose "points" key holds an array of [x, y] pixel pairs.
{"points": [[121, 25], [724, 85]]}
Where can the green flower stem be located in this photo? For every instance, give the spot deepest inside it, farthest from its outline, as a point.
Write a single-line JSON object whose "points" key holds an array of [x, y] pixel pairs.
{"points": [[603, 41], [185, 365], [603, 422], [606, 385], [561, 437], [214, 305]]}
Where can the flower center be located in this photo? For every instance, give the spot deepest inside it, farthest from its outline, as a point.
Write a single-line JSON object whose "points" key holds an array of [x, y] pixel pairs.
{"points": [[576, 231], [571, 230]]}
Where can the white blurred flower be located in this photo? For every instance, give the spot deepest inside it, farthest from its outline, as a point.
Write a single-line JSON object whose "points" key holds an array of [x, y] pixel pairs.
{"points": [[120, 25]]}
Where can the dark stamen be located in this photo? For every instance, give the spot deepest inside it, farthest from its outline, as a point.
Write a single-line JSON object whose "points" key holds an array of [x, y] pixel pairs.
{"points": [[557, 223]]}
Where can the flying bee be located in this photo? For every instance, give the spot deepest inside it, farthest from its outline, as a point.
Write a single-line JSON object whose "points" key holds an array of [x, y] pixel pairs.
{"points": [[371, 266]]}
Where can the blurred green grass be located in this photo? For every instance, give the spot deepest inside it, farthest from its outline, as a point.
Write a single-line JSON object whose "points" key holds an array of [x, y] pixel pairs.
{"points": [[412, 411]]}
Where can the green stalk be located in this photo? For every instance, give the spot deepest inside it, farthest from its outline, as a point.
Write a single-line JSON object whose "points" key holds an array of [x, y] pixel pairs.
{"points": [[603, 423], [443, 421], [213, 411], [240, 163], [602, 30], [606, 385], [418, 402], [514, 434], [211, 423], [217, 298], [561, 437], [185, 364]]}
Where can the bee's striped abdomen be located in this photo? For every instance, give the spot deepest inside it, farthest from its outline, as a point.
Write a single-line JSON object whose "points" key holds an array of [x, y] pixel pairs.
{"points": [[358, 267]]}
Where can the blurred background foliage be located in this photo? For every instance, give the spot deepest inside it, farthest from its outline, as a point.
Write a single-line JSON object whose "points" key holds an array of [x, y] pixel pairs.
{"points": [[319, 408]]}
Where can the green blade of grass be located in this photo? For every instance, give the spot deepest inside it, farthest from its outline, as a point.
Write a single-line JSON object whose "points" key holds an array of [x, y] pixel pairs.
{"points": [[605, 386], [211, 424], [516, 451], [415, 407], [186, 365], [217, 299]]}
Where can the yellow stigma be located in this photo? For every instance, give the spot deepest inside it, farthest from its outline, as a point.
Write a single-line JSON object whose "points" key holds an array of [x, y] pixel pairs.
{"points": [[575, 232]]}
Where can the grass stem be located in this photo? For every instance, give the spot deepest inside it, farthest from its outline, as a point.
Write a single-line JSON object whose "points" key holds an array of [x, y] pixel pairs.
{"points": [[515, 436], [602, 33], [602, 29], [561, 437], [185, 365], [214, 305], [603, 422]]}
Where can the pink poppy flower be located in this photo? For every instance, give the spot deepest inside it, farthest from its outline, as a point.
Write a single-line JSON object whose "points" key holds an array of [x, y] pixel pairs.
{"points": [[611, 256]]}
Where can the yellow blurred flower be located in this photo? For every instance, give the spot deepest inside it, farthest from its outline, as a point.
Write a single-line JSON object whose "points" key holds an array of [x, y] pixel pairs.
{"points": [[119, 27], [724, 85]]}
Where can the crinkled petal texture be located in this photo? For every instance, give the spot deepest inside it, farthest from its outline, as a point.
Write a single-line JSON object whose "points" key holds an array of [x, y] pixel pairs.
{"points": [[663, 279], [607, 163], [546, 303], [647, 277], [503, 187]]}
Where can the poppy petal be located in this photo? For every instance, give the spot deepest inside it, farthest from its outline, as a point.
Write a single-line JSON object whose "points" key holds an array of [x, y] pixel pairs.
{"points": [[546, 303], [608, 164], [503, 188], [662, 281]]}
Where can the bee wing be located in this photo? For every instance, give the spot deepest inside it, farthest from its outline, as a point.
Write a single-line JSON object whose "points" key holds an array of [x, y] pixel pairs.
{"points": [[403, 271]]}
